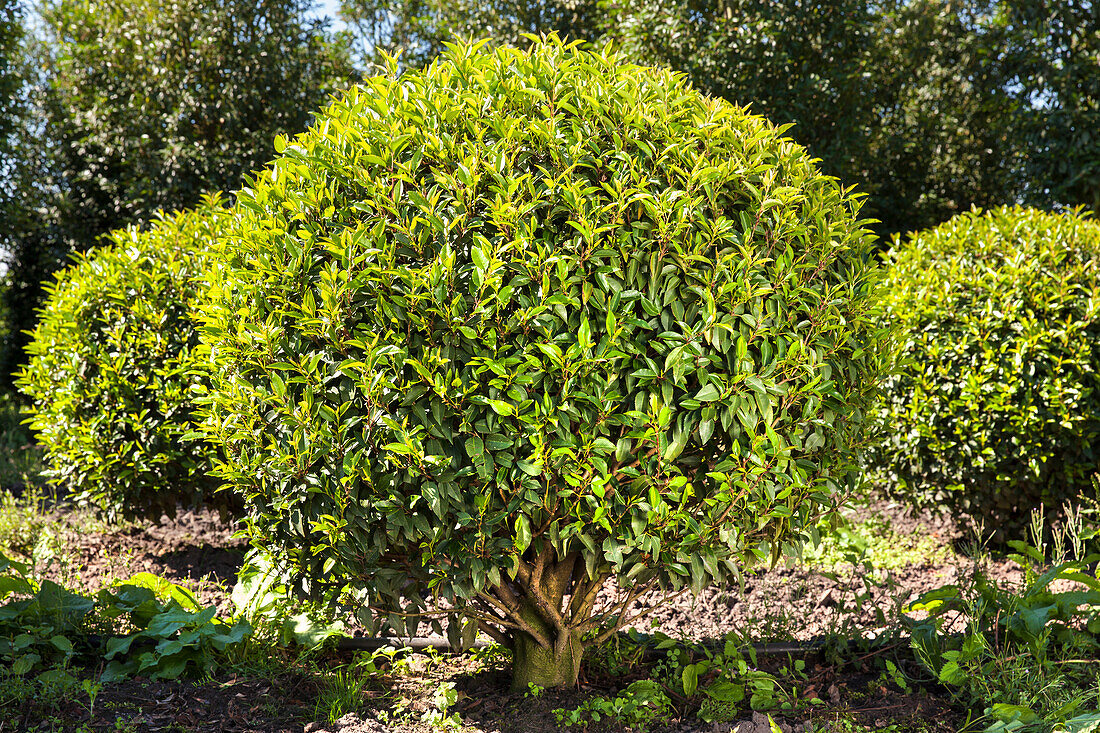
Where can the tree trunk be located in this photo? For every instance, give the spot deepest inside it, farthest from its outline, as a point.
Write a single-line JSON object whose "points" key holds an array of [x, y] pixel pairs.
{"points": [[557, 666], [546, 651]]}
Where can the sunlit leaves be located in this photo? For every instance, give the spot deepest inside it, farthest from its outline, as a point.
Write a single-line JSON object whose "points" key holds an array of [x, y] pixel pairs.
{"points": [[995, 409], [582, 308], [110, 376]]}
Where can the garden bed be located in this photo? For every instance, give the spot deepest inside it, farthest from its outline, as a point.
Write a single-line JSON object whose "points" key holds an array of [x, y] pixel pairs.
{"points": [[824, 598]]}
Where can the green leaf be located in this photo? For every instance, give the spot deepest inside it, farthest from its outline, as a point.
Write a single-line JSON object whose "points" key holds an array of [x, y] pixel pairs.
{"points": [[501, 408], [528, 468], [479, 257], [475, 448], [523, 534], [61, 643], [1009, 713], [709, 393], [25, 664], [689, 678]]}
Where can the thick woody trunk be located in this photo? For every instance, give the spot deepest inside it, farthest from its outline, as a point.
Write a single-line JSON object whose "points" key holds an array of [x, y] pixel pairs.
{"points": [[558, 665], [546, 629]]}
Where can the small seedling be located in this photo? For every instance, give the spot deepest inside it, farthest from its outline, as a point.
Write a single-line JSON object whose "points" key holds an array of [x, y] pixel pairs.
{"points": [[91, 689], [440, 716]]}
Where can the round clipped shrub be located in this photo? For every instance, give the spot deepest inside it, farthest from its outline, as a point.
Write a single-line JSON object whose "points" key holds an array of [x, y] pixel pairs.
{"points": [[108, 377], [492, 333], [996, 408]]}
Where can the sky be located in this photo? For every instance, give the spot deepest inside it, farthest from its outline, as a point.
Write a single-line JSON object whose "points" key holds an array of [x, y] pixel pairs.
{"points": [[329, 8]]}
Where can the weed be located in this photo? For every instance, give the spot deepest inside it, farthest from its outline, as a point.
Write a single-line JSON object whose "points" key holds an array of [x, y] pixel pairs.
{"points": [[1027, 656], [91, 689], [343, 688], [640, 704], [719, 685], [848, 543], [262, 597], [21, 521], [897, 677], [125, 726], [842, 723], [46, 627], [439, 715], [491, 656]]}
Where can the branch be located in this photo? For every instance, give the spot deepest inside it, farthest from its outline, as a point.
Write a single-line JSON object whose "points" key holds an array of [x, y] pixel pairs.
{"points": [[514, 620], [496, 635], [534, 590], [617, 609], [629, 620], [585, 598]]}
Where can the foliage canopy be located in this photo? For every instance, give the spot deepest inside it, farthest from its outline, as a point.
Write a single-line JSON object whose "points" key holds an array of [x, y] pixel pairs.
{"points": [[494, 332], [996, 408], [108, 380], [140, 106]]}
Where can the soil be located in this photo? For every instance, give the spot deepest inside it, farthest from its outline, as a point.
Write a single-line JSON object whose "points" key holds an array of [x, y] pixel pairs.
{"points": [[197, 549]]}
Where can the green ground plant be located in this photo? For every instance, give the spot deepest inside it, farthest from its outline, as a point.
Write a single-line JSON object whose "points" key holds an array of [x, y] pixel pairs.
{"points": [[1028, 658], [641, 704], [342, 689], [23, 521], [109, 376], [995, 408], [147, 626], [847, 542], [497, 331], [262, 596], [714, 684]]}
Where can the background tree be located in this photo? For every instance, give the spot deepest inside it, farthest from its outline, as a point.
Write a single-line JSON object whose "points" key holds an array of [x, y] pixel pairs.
{"points": [[30, 233], [147, 105], [943, 138], [11, 32], [899, 99], [419, 28], [1050, 61]]}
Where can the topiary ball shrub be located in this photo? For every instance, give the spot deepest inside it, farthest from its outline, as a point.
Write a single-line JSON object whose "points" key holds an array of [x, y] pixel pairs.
{"points": [[494, 332], [996, 408], [108, 379]]}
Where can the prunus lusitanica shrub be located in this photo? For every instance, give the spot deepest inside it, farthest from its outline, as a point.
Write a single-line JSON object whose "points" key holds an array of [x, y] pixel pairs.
{"points": [[494, 332], [108, 377], [996, 408]]}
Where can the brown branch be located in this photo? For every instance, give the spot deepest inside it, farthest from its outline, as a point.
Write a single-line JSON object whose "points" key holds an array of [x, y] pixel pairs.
{"points": [[496, 635], [541, 561], [513, 620], [630, 619], [583, 601], [498, 604], [560, 577], [505, 594], [534, 590], [618, 609], [524, 573], [489, 618]]}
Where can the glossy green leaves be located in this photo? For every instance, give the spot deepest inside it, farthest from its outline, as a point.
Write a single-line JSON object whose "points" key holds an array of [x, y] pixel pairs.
{"points": [[109, 373], [996, 409], [537, 304]]}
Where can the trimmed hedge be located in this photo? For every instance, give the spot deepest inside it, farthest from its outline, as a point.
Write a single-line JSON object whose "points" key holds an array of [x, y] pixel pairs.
{"points": [[996, 408], [109, 380], [496, 331]]}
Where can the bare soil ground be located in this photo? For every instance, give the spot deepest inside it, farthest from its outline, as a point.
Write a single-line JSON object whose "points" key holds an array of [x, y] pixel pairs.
{"points": [[800, 602]]}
